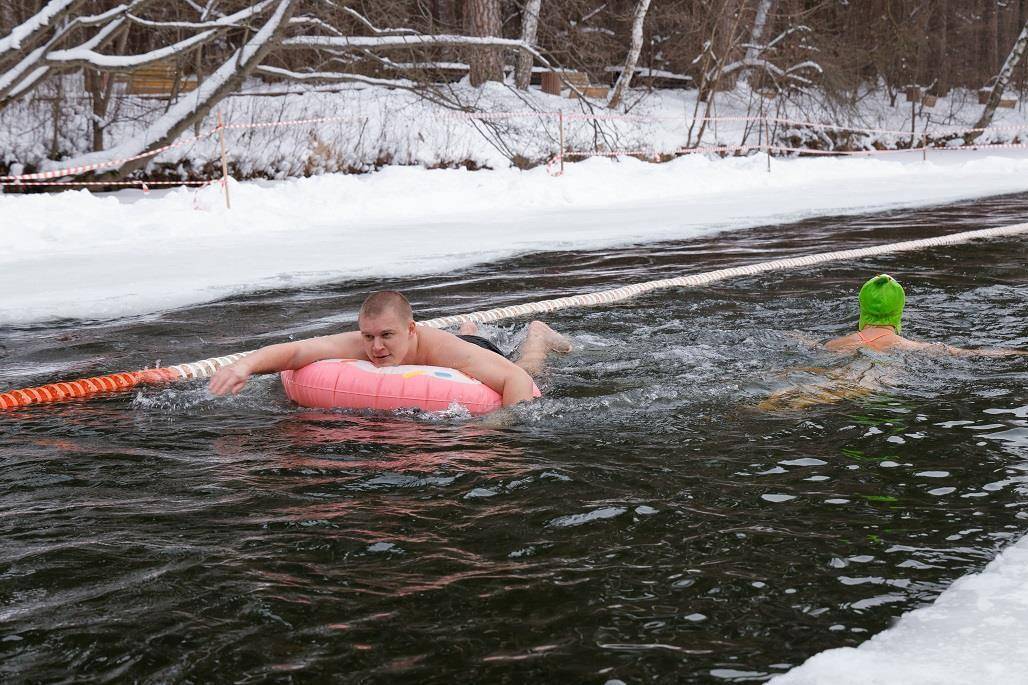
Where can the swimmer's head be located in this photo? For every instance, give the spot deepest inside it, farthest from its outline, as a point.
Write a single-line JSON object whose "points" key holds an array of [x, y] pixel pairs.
{"points": [[387, 328], [881, 303], [387, 302]]}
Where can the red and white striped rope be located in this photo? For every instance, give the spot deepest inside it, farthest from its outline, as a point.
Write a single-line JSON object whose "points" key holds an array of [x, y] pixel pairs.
{"points": [[289, 122], [72, 171], [857, 129], [142, 184]]}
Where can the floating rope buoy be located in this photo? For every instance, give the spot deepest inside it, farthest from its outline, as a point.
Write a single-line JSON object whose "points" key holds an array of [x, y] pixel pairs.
{"points": [[98, 385]]}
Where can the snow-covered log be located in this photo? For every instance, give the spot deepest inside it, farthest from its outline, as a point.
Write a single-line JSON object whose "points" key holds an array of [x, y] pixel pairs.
{"points": [[529, 29], [1002, 80], [179, 117], [633, 54]]}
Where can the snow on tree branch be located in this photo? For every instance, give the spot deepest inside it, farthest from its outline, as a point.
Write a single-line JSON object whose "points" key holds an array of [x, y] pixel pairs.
{"points": [[34, 27], [86, 57], [21, 78], [314, 21], [406, 41], [335, 76], [180, 116], [368, 25], [228, 21]]}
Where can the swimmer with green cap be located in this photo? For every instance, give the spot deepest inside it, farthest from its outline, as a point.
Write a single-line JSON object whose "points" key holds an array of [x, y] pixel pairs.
{"points": [[881, 313]]}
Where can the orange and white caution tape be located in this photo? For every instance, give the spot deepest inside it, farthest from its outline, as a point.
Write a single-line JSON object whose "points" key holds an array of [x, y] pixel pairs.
{"points": [[290, 122], [75, 170], [145, 185]]}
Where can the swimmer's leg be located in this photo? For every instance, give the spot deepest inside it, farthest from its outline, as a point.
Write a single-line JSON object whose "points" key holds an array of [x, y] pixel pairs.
{"points": [[468, 328], [539, 341]]}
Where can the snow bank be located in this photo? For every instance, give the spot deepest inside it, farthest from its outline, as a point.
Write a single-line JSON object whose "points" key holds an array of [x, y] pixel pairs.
{"points": [[973, 633], [376, 126], [79, 255]]}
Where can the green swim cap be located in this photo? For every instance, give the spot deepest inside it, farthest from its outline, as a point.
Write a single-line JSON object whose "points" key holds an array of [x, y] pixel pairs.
{"points": [[881, 303]]}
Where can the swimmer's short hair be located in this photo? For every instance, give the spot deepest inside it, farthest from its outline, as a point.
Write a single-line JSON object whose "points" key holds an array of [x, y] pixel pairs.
{"points": [[387, 301]]}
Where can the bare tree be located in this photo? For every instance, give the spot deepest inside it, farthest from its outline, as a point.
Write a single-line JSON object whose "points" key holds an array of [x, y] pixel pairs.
{"points": [[635, 46], [482, 20], [1000, 84], [529, 29], [226, 79]]}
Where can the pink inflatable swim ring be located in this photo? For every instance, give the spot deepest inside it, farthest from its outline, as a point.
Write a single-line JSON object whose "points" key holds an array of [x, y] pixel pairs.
{"points": [[358, 384]]}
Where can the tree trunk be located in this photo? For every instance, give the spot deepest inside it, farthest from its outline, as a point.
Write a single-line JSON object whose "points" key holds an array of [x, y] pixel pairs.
{"points": [[443, 15], [1002, 79], [633, 54], [529, 29], [756, 35], [482, 19], [988, 49], [938, 56]]}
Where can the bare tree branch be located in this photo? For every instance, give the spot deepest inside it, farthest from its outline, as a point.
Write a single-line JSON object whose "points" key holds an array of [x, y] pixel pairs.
{"points": [[85, 57], [225, 80]]}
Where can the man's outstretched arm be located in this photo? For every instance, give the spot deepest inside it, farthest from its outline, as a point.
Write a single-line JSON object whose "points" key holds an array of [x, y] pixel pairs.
{"points": [[509, 380], [965, 352], [232, 379]]}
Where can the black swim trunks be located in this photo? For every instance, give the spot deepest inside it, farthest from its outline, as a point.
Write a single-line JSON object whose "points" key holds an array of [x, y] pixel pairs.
{"points": [[483, 343]]}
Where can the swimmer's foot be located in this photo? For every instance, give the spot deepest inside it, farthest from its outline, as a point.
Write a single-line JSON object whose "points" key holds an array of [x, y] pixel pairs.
{"points": [[468, 328], [550, 338]]}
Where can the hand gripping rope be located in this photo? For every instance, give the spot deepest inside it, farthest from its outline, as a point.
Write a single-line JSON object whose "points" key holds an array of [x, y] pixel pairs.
{"points": [[86, 387]]}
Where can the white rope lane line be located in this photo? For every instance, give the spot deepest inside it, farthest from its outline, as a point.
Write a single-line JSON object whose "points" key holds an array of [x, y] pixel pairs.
{"points": [[628, 291], [205, 368]]}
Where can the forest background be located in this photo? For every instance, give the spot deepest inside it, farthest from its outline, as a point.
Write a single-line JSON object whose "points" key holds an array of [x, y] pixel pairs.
{"points": [[88, 81]]}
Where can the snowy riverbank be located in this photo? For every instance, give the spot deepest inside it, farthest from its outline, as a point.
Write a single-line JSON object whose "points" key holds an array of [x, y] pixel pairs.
{"points": [[80, 255], [371, 127]]}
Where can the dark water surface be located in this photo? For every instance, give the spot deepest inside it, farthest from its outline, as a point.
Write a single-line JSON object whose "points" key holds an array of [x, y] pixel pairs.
{"points": [[643, 522]]}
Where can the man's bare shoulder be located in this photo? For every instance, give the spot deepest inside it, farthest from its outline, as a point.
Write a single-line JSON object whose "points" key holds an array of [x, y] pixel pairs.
{"points": [[890, 343], [441, 348], [846, 343]]}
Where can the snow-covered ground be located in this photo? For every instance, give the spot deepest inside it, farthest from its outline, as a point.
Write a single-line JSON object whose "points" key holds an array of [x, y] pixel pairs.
{"points": [[975, 632], [83, 255], [362, 128]]}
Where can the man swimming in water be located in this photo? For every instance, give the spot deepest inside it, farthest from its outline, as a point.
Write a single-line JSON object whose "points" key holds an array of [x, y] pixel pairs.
{"points": [[388, 336], [881, 312]]}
